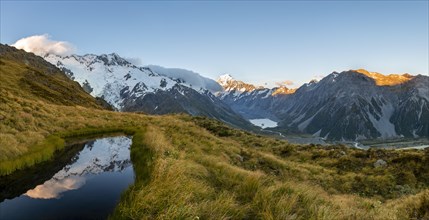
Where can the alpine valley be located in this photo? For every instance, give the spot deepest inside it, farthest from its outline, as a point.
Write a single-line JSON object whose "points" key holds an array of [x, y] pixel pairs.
{"points": [[67, 155], [214, 110], [349, 105]]}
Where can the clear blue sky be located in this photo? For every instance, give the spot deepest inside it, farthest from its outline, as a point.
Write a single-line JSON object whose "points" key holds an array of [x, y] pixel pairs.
{"points": [[258, 42]]}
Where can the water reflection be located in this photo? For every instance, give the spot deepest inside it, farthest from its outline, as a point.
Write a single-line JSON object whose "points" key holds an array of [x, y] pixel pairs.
{"points": [[90, 182], [53, 188], [103, 155]]}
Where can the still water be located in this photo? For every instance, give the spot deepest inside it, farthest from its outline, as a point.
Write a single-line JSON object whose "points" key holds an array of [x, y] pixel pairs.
{"points": [[83, 182]]}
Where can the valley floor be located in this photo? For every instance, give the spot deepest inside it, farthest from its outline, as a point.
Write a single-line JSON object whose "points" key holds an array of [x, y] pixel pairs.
{"points": [[190, 168]]}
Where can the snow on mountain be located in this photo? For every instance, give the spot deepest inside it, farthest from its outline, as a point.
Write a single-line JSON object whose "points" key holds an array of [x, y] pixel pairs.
{"points": [[131, 88], [189, 78], [102, 155], [350, 105], [107, 76], [230, 84], [240, 88], [250, 101], [224, 79]]}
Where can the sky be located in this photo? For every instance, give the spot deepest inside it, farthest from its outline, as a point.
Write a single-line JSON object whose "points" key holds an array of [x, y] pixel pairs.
{"points": [[260, 42]]}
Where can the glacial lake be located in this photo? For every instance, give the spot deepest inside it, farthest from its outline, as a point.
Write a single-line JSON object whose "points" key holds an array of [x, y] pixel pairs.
{"points": [[263, 123], [84, 181]]}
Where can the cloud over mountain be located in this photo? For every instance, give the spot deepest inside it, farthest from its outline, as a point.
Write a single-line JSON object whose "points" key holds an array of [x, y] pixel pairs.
{"points": [[134, 60], [42, 44], [285, 83]]}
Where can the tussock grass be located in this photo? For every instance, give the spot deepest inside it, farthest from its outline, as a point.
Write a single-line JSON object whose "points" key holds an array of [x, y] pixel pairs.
{"points": [[204, 174], [184, 170]]}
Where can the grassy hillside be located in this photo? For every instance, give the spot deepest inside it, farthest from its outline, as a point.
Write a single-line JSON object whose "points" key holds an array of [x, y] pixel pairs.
{"points": [[189, 168], [26, 75], [204, 169]]}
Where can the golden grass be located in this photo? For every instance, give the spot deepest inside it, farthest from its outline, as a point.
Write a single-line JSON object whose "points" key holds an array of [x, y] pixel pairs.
{"points": [[197, 174], [192, 172]]}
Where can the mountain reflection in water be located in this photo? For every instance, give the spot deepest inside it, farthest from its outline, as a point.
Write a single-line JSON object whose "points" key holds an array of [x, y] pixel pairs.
{"points": [[87, 186], [103, 155]]}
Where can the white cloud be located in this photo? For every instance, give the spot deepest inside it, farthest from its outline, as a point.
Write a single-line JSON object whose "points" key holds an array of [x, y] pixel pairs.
{"points": [[285, 83], [134, 60], [42, 44], [318, 77]]}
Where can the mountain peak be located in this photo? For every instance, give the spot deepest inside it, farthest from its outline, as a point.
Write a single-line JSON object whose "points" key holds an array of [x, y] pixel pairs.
{"points": [[225, 78], [385, 80], [230, 84], [362, 71], [113, 59], [283, 90]]}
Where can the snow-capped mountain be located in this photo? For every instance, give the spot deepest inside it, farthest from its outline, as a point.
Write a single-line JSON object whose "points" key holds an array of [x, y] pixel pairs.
{"points": [[107, 76], [350, 105], [230, 84], [251, 101], [131, 88]]}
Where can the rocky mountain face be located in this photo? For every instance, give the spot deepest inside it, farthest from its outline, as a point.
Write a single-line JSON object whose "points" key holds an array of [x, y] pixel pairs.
{"points": [[131, 88], [350, 105], [252, 101]]}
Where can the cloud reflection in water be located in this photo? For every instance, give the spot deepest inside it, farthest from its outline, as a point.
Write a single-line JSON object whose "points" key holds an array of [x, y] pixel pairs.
{"points": [[53, 188]]}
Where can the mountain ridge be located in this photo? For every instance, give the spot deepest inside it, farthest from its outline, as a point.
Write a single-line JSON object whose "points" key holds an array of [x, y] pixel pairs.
{"points": [[349, 105], [386, 80], [131, 88]]}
